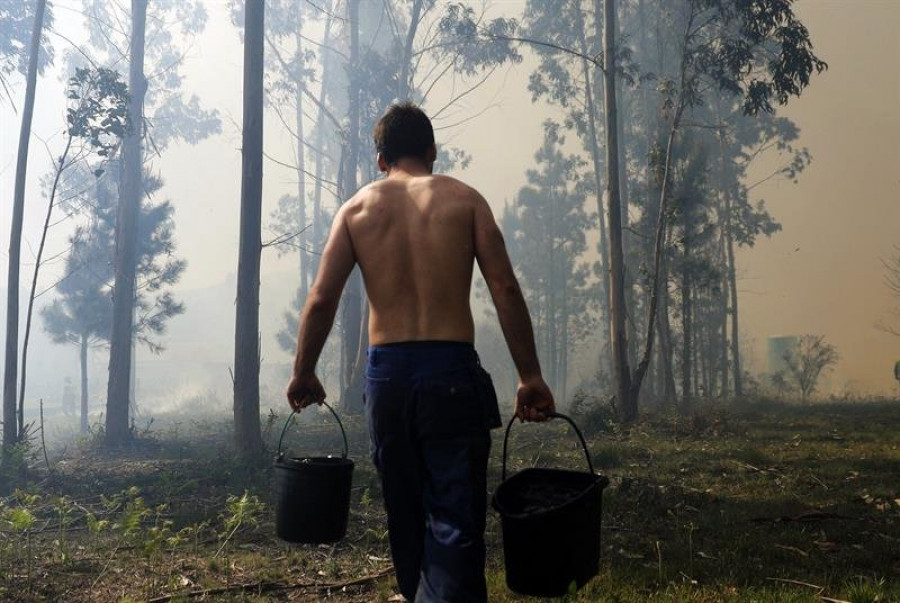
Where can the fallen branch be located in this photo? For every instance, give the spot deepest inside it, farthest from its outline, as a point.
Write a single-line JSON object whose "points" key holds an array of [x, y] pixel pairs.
{"points": [[267, 587], [799, 583], [803, 517], [792, 549], [819, 594]]}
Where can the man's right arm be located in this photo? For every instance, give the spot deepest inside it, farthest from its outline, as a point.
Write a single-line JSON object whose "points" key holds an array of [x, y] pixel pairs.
{"points": [[533, 397]]}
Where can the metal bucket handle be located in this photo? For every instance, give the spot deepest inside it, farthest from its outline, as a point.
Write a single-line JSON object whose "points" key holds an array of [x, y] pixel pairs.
{"points": [[288, 422], [552, 415]]}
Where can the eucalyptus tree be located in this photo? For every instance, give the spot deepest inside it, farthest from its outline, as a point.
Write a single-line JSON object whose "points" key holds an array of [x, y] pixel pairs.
{"points": [[572, 81], [12, 25], [741, 141], [248, 439], [161, 115], [291, 65], [693, 230], [547, 225], [760, 53], [17, 19]]}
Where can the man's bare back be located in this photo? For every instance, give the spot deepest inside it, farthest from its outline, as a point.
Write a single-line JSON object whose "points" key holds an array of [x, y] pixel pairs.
{"points": [[413, 237], [416, 237]]}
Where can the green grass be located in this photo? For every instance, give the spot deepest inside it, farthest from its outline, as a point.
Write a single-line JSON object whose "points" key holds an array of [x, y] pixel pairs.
{"points": [[745, 506], [770, 503]]}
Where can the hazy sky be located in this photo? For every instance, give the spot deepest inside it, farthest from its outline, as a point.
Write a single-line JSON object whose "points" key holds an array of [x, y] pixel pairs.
{"points": [[822, 274]]}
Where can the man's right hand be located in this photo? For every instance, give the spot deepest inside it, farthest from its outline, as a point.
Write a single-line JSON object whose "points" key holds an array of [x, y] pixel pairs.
{"points": [[304, 390], [534, 400]]}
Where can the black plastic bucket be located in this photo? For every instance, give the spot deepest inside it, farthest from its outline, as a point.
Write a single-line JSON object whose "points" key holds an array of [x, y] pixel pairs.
{"points": [[551, 525], [313, 494]]}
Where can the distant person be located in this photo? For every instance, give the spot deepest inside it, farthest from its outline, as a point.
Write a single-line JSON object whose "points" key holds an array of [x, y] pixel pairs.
{"points": [[429, 404], [68, 397]]}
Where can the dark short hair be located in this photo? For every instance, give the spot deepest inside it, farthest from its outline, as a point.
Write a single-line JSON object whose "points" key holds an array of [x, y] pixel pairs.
{"points": [[404, 131]]}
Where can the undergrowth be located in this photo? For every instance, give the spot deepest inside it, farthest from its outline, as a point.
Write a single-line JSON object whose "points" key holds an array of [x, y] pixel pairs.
{"points": [[768, 502]]}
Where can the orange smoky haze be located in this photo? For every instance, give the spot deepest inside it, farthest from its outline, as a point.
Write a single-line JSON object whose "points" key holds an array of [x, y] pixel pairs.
{"points": [[823, 273]]}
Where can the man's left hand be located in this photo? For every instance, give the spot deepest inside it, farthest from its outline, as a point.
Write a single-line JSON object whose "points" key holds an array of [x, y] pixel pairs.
{"points": [[304, 390]]}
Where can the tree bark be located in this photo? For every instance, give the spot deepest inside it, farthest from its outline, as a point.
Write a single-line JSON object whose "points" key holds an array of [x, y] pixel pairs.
{"points": [[10, 368], [626, 402], [404, 78], [665, 333], [82, 360], [301, 174], [246, 341], [658, 260], [687, 333], [127, 214], [318, 218], [353, 295], [723, 331], [732, 290], [598, 182], [564, 338]]}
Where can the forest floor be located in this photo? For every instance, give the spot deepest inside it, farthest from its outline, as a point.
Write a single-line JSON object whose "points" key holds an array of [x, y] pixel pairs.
{"points": [[771, 503]]}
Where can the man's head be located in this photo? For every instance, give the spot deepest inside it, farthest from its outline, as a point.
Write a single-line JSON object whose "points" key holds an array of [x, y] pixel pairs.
{"points": [[404, 132]]}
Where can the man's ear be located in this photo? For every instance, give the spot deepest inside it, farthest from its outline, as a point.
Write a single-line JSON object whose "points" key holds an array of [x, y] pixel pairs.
{"points": [[382, 164], [431, 157]]}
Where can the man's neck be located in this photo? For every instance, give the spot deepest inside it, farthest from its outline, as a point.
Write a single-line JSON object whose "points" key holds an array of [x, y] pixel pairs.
{"points": [[408, 168]]}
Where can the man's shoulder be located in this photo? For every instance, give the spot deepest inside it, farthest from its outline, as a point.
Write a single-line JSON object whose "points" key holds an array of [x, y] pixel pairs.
{"points": [[457, 189]]}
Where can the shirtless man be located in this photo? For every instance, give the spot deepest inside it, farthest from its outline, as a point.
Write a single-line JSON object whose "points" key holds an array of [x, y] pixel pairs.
{"points": [[429, 404]]}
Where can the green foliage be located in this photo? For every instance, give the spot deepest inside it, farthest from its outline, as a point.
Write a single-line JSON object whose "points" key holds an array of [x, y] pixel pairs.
{"points": [[473, 44], [98, 109], [170, 115], [243, 511], [16, 23], [84, 308]]}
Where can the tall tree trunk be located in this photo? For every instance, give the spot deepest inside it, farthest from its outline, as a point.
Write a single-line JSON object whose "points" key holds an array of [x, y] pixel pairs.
{"points": [[701, 344], [686, 326], [404, 82], [82, 360], [10, 367], [662, 218], [353, 296], [725, 228], [723, 331], [626, 402], [731, 270], [246, 341], [301, 173], [318, 216], [564, 339], [621, 119], [594, 146], [127, 215], [665, 334], [60, 167], [551, 288]]}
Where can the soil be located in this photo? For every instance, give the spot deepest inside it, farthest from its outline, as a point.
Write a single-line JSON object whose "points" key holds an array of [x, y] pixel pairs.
{"points": [[544, 496]]}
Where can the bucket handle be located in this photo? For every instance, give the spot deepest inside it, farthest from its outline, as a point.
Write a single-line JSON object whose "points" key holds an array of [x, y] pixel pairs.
{"points": [[291, 416], [552, 415]]}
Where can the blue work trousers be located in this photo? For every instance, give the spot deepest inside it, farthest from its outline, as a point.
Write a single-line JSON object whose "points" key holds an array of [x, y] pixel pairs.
{"points": [[430, 408]]}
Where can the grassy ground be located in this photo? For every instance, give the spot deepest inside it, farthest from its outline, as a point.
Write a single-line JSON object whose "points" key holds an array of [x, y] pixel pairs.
{"points": [[777, 503]]}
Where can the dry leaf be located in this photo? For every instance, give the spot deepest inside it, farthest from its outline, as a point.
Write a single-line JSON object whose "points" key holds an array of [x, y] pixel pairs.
{"points": [[792, 549]]}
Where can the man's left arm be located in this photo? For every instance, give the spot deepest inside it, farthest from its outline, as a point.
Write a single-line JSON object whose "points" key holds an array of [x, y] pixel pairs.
{"points": [[317, 317]]}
